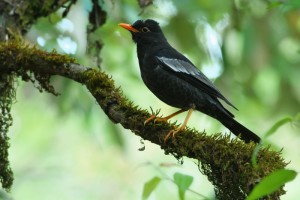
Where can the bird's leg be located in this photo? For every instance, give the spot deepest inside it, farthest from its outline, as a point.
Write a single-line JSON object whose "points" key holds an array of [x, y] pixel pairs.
{"points": [[162, 119], [182, 127]]}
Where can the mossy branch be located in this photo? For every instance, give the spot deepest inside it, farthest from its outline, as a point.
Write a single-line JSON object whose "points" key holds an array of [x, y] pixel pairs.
{"points": [[227, 163]]}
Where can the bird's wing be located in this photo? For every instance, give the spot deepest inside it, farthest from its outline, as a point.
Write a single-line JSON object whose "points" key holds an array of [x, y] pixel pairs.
{"points": [[188, 72]]}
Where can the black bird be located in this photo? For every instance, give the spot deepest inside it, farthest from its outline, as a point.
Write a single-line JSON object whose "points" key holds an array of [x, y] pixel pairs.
{"points": [[175, 80]]}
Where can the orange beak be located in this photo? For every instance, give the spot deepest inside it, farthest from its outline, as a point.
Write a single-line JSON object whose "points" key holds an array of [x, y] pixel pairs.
{"points": [[128, 27]]}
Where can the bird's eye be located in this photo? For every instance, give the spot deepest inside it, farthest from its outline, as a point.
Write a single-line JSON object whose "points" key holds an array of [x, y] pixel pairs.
{"points": [[145, 29]]}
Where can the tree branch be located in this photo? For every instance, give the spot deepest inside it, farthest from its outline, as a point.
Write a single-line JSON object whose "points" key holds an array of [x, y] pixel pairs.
{"points": [[227, 163]]}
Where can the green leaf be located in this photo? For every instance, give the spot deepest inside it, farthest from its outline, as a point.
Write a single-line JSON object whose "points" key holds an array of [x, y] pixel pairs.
{"points": [[150, 186], [254, 155], [275, 4], [183, 182], [271, 131], [271, 183], [277, 125]]}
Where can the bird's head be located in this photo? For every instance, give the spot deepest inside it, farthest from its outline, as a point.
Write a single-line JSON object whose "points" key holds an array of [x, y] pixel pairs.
{"points": [[145, 31]]}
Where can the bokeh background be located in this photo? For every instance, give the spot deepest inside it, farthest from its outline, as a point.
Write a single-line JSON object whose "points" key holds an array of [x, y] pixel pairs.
{"points": [[66, 148]]}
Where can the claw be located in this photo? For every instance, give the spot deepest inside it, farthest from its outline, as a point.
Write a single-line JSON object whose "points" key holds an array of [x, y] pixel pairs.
{"points": [[165, 120], [177, 129], [152, 117], [161, 119], [156, 119], [173, 132]]}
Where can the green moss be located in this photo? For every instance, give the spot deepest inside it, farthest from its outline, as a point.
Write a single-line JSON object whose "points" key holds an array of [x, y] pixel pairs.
{"points": [[12, 54], [7, 96], [227, 163], [17, 53], [26, 13]]}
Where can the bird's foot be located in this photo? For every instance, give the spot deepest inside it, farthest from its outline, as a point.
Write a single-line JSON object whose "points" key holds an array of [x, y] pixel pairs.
{"points": [[173, 132], [152, 117], [156, 119]]}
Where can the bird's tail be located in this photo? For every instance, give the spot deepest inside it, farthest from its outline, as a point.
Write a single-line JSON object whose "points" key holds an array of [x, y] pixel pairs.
{"points": [[239, 130]]}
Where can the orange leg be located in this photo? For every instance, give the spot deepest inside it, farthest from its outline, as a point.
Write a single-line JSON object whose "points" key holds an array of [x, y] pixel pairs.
{"points": [[182, 127], [162, 119]]}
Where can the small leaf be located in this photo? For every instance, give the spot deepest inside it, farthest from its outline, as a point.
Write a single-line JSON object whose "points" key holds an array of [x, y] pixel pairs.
{"points": [[150, 186], [271, 183], [183, 182], [277, 125]]}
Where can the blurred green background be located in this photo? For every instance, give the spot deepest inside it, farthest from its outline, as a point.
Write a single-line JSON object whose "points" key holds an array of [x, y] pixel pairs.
{"points": [[65, 147]]}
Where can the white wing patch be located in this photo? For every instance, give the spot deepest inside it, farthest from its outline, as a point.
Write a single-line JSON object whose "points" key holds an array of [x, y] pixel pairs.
{"points": [[195, 76], [187, 68], [176, 64]]}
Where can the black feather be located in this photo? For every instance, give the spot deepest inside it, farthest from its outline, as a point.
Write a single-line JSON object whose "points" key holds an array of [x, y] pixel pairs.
{"points": [[188, 72], [175, 80]]}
